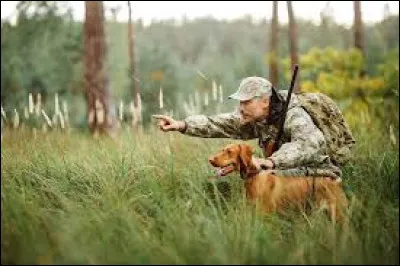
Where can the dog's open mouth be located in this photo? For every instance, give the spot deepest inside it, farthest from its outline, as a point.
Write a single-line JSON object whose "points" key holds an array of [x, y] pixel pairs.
{"points": [[223, 171]]}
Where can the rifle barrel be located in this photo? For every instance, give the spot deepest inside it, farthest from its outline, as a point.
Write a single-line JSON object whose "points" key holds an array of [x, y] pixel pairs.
{"points": [[282, 121]]}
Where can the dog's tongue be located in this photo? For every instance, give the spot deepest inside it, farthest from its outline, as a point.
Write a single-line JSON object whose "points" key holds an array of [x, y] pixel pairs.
{"points": [[224, 171], [220, 172]]}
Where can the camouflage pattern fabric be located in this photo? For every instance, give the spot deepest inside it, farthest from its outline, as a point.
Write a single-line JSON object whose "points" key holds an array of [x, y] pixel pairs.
{"points": [[251, 87], [329, 119], [304, 147]]}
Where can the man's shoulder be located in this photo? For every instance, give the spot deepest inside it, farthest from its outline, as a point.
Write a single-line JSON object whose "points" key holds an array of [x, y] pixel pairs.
{"points": [[311, 103], [294, 101], [295, 113], [298, 98]]}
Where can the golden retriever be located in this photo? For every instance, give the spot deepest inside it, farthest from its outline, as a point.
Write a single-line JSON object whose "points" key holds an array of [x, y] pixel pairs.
{"points": [[274, 193]]}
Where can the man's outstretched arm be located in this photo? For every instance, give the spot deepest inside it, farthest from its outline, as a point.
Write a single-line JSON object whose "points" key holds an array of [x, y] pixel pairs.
{"points": [[215, 126], [226, 125]]}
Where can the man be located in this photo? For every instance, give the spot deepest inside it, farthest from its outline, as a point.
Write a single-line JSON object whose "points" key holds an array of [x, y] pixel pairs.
{"points": [[304, 149]]}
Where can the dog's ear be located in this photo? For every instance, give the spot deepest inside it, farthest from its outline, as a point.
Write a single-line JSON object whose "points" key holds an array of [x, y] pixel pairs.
{"points": [[245, 160], [245, 154]]}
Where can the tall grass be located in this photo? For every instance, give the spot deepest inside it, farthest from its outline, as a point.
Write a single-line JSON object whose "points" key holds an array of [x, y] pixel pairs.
{"points": [[146, 198]]}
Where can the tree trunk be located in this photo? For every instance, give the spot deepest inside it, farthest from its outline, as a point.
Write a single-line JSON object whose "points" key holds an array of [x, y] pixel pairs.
{"points": [[99, 107], [358, 30], [133, 70], [130, 50], [293, 44], [274, 53], [135, 90]]}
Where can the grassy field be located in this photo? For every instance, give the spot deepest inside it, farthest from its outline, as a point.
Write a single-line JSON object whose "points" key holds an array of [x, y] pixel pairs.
{"points": [[146, 199]]}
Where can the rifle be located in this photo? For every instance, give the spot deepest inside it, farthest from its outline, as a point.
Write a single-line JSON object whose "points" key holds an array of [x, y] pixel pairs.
{"points": [[274, 144]]}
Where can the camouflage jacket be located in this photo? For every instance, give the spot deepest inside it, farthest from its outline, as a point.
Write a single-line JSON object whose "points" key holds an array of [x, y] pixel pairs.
{"points": [[303, 150]]}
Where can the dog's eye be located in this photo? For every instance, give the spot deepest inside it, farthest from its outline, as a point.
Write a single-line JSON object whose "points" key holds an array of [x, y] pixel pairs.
{"points": [[229, 151]]}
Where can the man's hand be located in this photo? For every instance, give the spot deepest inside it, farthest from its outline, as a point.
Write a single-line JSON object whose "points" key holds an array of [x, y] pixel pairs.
{"points": [[262, 163], [166, 123]]}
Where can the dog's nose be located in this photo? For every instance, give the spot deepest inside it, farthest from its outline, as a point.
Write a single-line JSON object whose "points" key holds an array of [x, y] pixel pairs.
{"points": [[211, 160]]}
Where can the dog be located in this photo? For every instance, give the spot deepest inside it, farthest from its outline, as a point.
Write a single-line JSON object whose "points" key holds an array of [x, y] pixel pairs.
{"points": [[273, 193]]}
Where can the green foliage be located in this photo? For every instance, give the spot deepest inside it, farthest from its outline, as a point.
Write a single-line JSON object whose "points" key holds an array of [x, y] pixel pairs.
{"points": [[40, 53], [337, 74], [389, 70], [43, 52], [146, 199]]}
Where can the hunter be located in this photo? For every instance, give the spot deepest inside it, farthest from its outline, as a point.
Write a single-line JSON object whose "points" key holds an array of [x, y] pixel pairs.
{"points": [[305, 150]]}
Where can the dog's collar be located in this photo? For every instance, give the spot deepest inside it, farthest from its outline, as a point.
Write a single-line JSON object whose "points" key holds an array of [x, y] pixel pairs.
{"points": [[249, 174]]}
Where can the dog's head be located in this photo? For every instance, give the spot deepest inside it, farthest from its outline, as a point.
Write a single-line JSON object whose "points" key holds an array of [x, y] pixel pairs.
{"points": [[233, 157]]}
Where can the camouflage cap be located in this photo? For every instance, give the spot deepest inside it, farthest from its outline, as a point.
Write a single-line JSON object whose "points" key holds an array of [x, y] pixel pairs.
{"points": [[251, 87]]}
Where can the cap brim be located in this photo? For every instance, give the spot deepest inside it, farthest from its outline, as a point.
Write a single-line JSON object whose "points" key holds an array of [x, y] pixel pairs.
{"points": [[237, 96]]}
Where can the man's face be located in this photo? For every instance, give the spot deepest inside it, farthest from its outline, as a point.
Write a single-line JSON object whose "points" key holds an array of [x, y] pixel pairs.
{"points": [[256, 109]]}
